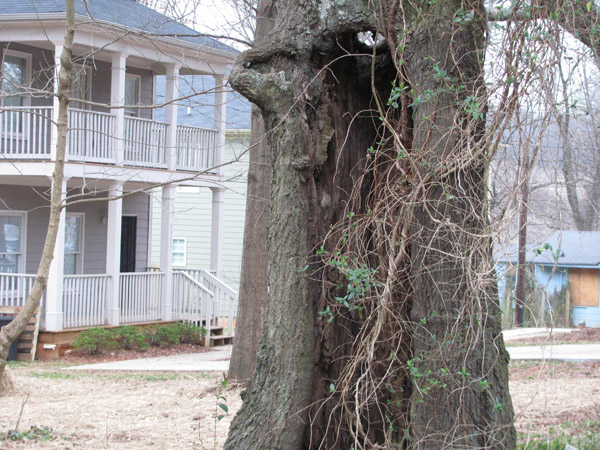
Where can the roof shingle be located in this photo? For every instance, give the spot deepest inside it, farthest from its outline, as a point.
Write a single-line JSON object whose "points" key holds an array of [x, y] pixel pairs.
{"points": [[126, 13]]}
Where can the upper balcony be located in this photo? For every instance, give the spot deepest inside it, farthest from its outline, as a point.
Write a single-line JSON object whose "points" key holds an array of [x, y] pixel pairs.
{"points": [[26, 133], [122, 53]]}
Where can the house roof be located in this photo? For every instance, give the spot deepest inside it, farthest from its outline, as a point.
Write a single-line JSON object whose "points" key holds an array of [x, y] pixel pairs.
{"points": [[127, 13], [565, 248]]}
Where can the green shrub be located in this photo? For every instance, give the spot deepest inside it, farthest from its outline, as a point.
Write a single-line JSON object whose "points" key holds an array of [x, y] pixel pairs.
{"points": [[164, 336], [95, 340], [131, 338], [189, 333], [175, 333]]}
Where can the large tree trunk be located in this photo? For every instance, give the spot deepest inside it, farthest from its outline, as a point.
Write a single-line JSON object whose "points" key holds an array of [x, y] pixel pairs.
{"points": [[393, 339], [10, 332], [253, 280]]}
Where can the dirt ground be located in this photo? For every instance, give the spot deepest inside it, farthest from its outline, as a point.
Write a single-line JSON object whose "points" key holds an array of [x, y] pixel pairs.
{"points": [[553, 394], [123, 410], [135, 410]]}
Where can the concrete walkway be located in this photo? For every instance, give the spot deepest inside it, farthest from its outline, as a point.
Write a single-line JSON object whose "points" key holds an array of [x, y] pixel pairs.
{"points": [[565, 352], [520, 333], [217, 360]]}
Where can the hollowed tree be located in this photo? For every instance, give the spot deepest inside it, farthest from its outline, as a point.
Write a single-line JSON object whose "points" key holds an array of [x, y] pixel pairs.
{"points": [[382, 326]]}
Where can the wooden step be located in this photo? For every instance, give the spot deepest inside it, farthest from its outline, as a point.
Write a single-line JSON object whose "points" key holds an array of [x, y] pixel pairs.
{"points": [[217, 331], [27, 343], [220, 340]]}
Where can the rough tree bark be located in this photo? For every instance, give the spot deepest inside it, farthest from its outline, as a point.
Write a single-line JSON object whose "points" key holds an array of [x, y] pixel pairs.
{"points": [[253, 280], [317, 84], [10, 332]]}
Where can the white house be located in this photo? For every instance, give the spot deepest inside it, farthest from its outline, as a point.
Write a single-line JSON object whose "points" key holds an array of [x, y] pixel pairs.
{"points": [[116, 150]]}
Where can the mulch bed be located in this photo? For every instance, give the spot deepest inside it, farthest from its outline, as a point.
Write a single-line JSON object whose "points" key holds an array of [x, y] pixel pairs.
{"points": [[527, 370], [79, 357]]}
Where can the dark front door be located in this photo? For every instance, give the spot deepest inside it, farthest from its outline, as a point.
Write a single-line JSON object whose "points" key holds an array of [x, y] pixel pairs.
{"points": [[128, 237]]}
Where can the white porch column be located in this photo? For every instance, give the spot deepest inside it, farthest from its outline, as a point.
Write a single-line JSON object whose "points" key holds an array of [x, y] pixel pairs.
{"points": [[166, 248], [220, 117], [58, 48], [117, 98], [172, 92], [54, 288], [216, 231], [113, 250]]}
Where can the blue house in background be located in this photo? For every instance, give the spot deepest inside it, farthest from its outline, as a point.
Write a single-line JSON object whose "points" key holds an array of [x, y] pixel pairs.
{"points": [[567, 260]]}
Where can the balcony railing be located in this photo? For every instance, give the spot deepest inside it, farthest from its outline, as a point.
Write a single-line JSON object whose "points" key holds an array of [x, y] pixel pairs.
{"points": [[145, 142], [195, 147], [26, 134], [90, 136]]}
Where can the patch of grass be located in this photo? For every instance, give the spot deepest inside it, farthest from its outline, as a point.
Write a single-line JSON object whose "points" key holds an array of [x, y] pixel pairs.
{"points": [[582, 436], [54, 375], [161, 377], [156, 377], [17, 363], [35, 434]]}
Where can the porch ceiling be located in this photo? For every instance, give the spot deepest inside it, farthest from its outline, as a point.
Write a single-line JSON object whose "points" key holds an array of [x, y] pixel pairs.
{"points": [[102, 41], [101, 177]]}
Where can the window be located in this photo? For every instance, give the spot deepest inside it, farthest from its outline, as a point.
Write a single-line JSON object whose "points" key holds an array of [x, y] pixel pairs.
{"points": [[15, 76], [12, 242], [73, 244], [132, 94], [179, 252]]}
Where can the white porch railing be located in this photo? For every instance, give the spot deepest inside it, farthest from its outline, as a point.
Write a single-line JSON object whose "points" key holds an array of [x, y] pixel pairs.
{"points": [[198, 297], [196, 148], [90, 136], [145, 142], [193, 302], [140, 296], [224, 301], [85, 301], [14, 288], [25, 132]]}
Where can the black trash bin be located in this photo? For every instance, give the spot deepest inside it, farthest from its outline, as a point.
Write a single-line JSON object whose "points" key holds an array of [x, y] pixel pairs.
{"points": [[12, 352]]}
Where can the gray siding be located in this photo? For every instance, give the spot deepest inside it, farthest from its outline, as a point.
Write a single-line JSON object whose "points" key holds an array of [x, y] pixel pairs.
{"points": [[146, 90], [101, 77], [42, 62], [32, 201], [94, 237]]}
